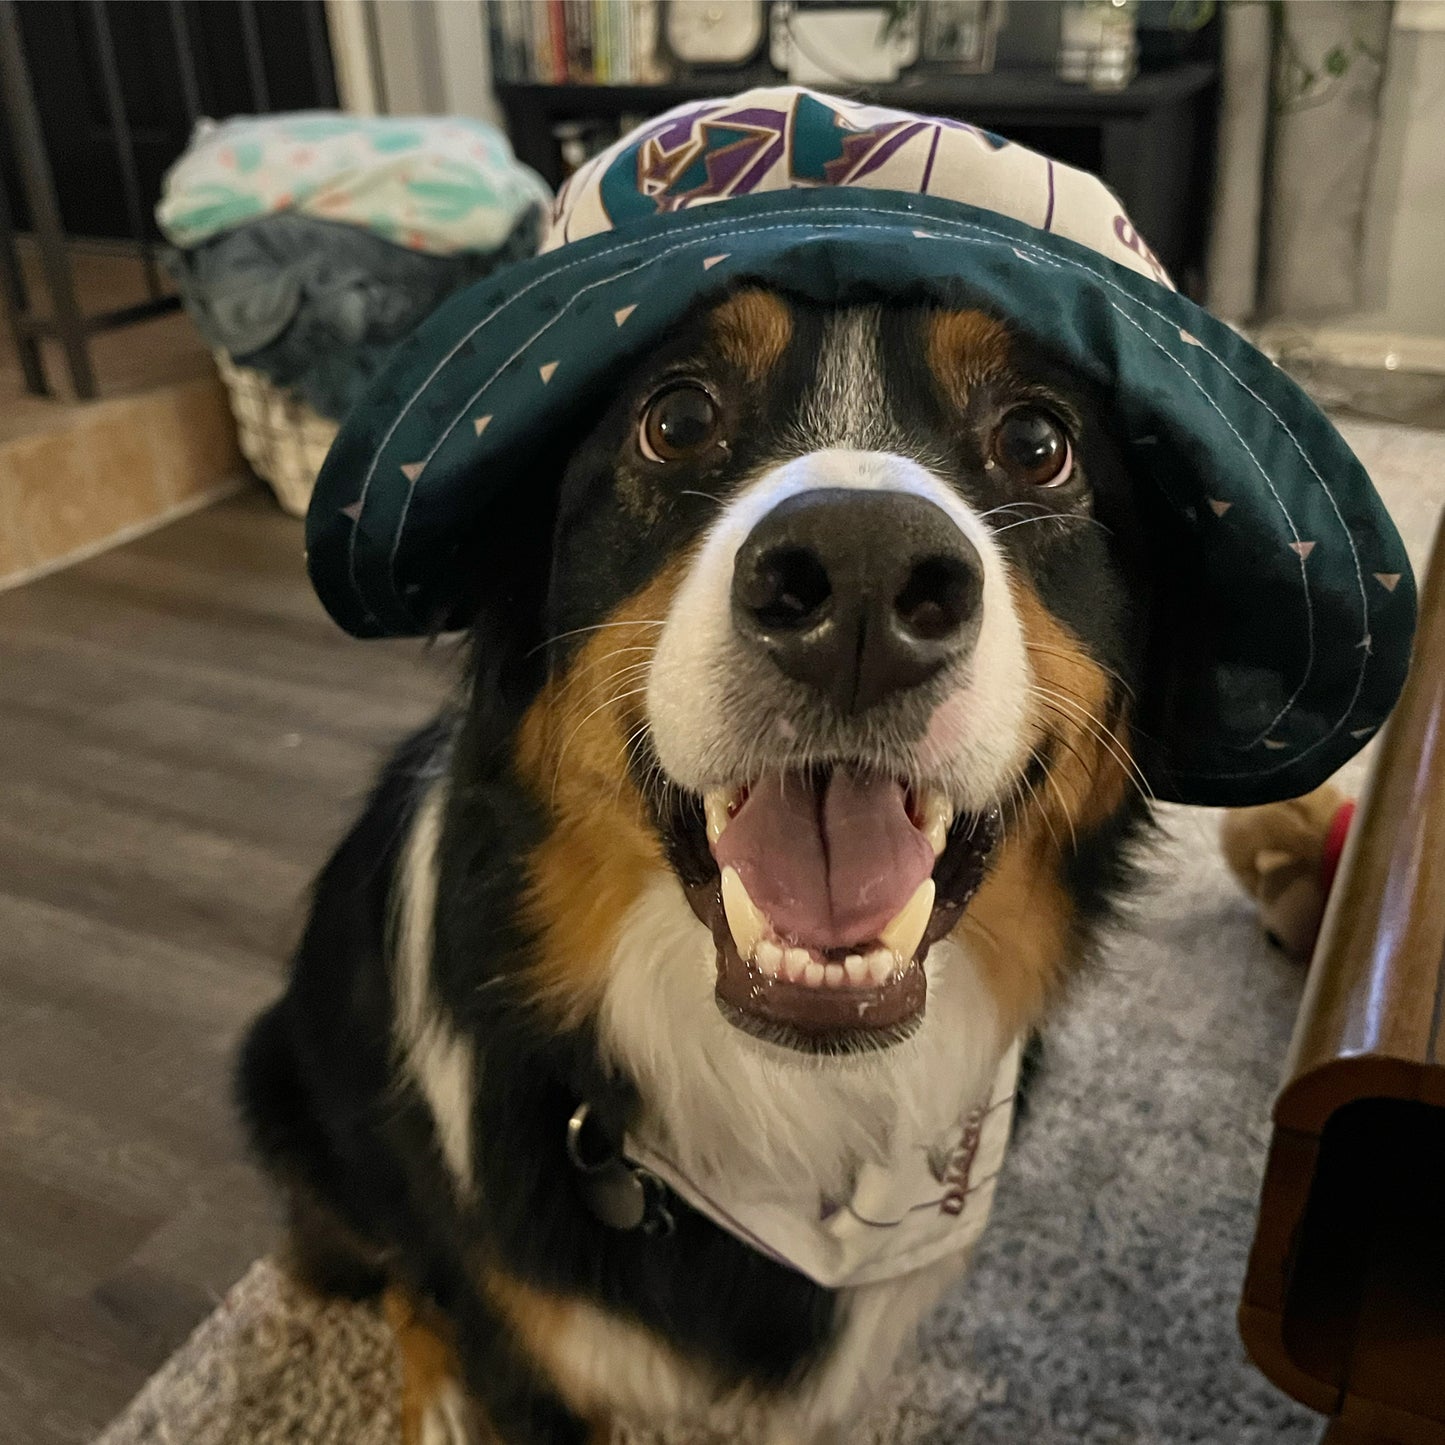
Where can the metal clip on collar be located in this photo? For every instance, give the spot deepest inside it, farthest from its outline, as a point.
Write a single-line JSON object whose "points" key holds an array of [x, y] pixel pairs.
{"points": [[620, 1194]]}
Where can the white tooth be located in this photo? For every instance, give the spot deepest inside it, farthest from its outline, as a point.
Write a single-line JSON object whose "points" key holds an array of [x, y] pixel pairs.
{"points": [[769, 958], [744, 917], [834, 975], [881, 965], [856, 967], [814, 973], [905, 933], [715, 808], [795, 964], [937, 815]]}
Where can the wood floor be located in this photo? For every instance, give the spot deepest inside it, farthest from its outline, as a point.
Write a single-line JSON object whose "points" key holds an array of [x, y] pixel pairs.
{"points": [[182, 734]]}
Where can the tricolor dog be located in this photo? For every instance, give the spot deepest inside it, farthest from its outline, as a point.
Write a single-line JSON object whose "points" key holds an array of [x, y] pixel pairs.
{"points": [[843, 576]]}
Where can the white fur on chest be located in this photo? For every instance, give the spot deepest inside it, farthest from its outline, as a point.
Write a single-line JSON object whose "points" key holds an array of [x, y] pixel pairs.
{"points": [[727, 1106], [732, 1108]]}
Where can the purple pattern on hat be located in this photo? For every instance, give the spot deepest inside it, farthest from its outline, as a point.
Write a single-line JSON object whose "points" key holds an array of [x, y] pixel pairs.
{"points": [[683, 162], [868, 150], [1128, 236], [987, 137], [928, 165], [679, 129], [713, 150]]}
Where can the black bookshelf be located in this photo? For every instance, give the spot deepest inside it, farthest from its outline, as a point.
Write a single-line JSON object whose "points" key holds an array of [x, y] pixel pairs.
{"points": [[1152, 142]]}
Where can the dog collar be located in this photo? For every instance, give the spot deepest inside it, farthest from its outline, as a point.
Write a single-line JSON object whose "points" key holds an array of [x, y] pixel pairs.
{"points": [[928, 1201], [1287, 587]]}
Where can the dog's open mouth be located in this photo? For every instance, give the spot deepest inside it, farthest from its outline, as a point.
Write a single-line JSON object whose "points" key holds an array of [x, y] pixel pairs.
{"points": [[824, 891]]}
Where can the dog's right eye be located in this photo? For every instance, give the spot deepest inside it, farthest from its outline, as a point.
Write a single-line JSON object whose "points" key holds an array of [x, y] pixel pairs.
{"points": [[678, 422]]}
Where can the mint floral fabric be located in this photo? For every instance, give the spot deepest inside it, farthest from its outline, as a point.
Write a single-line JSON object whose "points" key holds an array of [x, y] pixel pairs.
{"points": [[440, 185]]}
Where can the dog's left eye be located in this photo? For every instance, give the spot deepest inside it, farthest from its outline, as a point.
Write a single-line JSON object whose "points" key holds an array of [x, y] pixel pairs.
{"points": [[1031, 445], [677, 423]]}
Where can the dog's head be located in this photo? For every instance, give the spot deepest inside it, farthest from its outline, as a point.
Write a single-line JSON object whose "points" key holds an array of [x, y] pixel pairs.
{"points": [[845, 617]]}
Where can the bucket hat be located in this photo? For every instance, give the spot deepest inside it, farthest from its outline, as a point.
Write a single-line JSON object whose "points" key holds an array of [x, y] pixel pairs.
{"points": [[1294, 589]]}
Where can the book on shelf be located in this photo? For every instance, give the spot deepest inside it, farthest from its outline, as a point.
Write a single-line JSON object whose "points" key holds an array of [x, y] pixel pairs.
{"points": [[558, 41]]}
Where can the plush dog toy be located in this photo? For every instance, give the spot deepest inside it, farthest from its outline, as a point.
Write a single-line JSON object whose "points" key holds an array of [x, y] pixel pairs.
{"points": [[1286, 855]]}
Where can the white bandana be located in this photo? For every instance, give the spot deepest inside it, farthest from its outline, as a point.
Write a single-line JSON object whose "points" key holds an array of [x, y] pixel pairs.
{"points": [[929, 1201]]}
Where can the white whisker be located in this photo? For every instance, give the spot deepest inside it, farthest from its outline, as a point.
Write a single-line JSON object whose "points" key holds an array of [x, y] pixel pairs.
{"points": [[598, 627]]}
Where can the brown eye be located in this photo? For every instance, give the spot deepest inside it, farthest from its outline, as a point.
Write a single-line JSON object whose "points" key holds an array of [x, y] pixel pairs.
{"points": [[677, 423], [1031, 445]]}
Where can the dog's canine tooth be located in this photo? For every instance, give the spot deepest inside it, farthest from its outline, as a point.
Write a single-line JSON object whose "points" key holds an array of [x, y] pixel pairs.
{"points": [[856, 967], [905, 932], [745, 919], [769, 958], [937, 815], [715, 809]]}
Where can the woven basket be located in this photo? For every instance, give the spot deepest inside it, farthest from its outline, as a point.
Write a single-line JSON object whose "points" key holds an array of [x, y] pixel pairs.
{"points": [[284, 440]]}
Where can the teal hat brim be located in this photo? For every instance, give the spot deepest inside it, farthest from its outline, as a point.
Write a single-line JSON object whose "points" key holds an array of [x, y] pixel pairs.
{"points": [[1306, 587]]}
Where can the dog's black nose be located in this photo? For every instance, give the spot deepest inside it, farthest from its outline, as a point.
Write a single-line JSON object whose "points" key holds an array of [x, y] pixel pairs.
{"points": [[859, 594]]}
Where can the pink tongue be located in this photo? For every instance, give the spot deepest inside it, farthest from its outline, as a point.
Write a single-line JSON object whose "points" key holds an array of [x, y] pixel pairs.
{"points": [[829, 867]]}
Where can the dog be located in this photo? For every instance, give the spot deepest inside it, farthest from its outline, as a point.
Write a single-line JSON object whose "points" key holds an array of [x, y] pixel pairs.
{"points": [[785, 789]]}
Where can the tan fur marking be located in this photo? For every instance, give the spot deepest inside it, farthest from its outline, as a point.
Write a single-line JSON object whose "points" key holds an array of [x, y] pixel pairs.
{"points": [[1093, 765], [1089, 775], [601, 849], [752, 330], [428, 1366], [1019, 929], [964, 349], [538, 1321]]}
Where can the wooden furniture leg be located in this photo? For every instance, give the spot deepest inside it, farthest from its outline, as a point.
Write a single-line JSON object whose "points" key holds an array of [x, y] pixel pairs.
{"points": [[1344, 1303]]}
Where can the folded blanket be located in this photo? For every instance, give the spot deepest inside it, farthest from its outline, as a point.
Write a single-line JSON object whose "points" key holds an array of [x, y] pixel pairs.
{"points": [[317, 306], [430, 184]]}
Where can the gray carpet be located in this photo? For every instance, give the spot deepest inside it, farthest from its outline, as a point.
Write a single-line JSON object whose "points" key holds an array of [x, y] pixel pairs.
{"points": [[1101, 1310]]}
